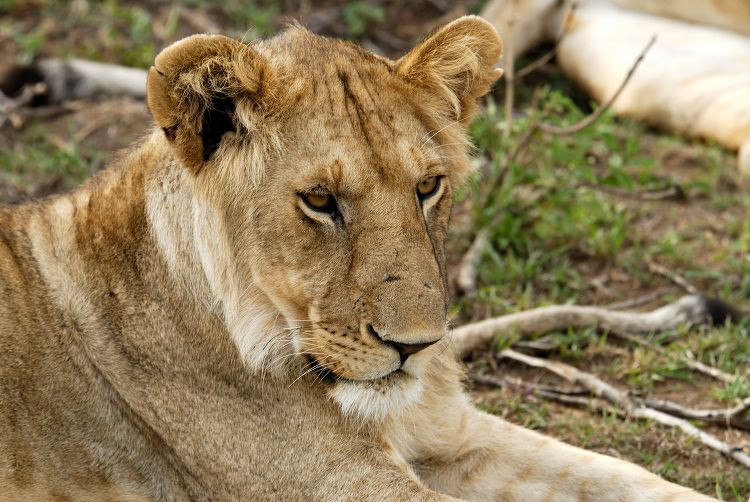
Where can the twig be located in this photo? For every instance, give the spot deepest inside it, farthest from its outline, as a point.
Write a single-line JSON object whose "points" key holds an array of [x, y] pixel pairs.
{"points": [[509, 75], [488, 380], [504, 382], [466, 280], [589, 119], [525, 139], [603, 390], [687, 361], [680, 281], [10, 107], [593, 404], [672, 192], [734, 417], [535, 65], [511, 155], [637, 302]]}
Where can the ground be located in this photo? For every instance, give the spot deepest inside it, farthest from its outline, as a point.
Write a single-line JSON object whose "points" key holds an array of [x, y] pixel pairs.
{"points": [[588, 218]]}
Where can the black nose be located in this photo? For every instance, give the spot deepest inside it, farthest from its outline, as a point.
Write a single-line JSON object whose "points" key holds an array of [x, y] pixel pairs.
{"points": [[407, 349], [404, 349]]}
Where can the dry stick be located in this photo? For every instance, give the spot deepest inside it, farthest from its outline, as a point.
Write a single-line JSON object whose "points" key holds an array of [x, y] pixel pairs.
{"points": [[9, 107], [687, 361], [526, 138], [666, 193], [504, 382], [592, 404], [524, 141], [488, 380], [603, 390], [565, 29], [604, 106], [641, 300], [680, 281], [622, 325], [556, 317], [511, 155], [535, 65], [733, 417], [509, 78]]}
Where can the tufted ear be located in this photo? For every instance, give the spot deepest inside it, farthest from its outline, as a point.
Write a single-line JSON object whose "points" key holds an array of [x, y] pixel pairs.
{"points": [[196, 87], [456, 61]]}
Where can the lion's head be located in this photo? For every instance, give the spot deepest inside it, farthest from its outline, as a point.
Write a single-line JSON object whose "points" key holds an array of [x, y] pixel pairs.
{"points": [[323, 178]]}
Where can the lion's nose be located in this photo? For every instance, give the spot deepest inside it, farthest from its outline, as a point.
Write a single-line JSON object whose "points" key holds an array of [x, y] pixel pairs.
{"points": [[404, 349], [407, 349]]}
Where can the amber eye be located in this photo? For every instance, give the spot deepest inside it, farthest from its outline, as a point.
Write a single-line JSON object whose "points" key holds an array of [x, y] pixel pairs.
{"points": [[428, 187], [324, 203]]}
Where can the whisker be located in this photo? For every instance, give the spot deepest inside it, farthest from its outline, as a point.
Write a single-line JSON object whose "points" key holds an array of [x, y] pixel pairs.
{"points": [[446, 127]]}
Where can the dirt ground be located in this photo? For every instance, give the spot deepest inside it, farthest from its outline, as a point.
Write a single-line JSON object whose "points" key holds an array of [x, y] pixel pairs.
{"points": [[108, 124]]}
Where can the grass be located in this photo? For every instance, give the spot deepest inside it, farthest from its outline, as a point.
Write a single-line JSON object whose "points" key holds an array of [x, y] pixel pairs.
{"points": [[37, 157], [569, 211], [131, 33]]}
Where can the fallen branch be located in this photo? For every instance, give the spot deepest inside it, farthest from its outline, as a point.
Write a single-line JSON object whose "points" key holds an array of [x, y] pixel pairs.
{"points": [[590, 403], [733, 417], [603, 390], [688, 309], [504, 382]]}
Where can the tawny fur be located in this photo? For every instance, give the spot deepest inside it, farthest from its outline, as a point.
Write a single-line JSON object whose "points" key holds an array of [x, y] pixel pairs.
{"points": [[184, 326]]}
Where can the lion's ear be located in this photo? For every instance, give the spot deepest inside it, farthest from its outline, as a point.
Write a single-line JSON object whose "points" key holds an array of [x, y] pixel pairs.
{"points": [[195, 88], [456, 61]]}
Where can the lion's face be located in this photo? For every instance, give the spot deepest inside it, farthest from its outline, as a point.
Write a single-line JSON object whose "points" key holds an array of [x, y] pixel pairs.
{"points": [[363, 275], [343, 229]]}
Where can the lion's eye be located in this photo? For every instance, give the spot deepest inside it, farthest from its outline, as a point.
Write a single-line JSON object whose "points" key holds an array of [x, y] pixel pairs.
{"points": [[325, 203], [427, 187]]}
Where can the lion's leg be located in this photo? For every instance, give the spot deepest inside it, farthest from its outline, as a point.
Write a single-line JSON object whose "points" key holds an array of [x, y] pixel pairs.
{"points": [[458, 450]]}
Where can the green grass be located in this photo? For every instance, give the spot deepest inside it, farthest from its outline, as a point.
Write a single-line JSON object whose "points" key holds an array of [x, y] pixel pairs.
{"points": [[37, 157], [127, 33], [569, 202]]}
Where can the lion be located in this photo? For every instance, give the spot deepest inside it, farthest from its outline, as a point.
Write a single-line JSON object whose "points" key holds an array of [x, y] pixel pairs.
{"points": [[251, 302]]}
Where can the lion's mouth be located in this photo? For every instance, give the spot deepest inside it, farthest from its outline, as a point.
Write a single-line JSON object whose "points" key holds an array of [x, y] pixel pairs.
{"points": [[330, 377], [325, 375]]}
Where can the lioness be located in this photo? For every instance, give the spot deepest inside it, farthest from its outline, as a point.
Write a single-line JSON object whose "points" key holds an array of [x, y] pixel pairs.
{"points": [[250, 304]]}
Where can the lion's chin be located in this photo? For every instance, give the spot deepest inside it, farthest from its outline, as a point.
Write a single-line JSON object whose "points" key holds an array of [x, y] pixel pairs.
{"points": [[374, 400]]}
